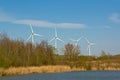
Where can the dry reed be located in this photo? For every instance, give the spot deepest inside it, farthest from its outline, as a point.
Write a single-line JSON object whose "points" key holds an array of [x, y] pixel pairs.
{"points": [[29, 70], [46, 69]]}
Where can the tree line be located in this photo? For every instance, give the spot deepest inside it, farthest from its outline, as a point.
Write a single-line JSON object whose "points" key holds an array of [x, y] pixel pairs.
{"points": [[17, 53]]}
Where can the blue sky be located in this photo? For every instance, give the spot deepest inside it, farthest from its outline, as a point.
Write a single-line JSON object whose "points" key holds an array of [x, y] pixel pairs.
{"points": [[98, 20]]}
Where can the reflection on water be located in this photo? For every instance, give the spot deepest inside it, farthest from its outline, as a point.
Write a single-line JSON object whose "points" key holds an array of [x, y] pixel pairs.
{"points": [[88, 75]]}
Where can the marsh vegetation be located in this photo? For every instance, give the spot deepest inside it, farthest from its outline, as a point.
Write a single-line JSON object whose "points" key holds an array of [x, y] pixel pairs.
{"points": [[29, 58]]}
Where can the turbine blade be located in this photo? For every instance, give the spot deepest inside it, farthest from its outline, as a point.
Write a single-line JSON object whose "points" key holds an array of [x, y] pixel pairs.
{"points": [[80, 38], [32, 39], [29, 37], [87, 40], [52, 39], [38, 35], [31, 28], [60, 39], [55, 32]]}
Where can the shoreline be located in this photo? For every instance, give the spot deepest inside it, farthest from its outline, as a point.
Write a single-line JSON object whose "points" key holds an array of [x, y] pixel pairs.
{"points": [[29, 70], [46, 69]]}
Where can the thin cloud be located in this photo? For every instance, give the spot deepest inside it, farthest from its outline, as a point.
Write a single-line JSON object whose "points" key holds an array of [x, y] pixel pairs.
{"points": [[115, 17], [49, 24], [71, 25], [6, 18], [34, 23]]}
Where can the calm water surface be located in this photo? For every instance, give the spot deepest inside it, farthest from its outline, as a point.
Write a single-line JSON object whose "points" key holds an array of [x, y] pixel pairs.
{"points": [[89, 75]]}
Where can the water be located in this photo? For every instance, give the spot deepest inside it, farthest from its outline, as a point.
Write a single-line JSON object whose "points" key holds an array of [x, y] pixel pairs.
{"points": [[88, 75]]}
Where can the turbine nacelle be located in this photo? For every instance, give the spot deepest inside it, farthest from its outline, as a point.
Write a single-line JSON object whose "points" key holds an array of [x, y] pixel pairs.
{"points": [[32, 35], [77, 41], [56, 38]]}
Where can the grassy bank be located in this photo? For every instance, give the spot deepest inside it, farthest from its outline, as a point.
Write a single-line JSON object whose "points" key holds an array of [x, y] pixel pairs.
{"points": [[29, 70], [46, 69]]}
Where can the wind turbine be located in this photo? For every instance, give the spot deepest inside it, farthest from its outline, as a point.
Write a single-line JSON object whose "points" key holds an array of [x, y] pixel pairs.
{"points": [[32, 35], [89, 46], [56, 38], [77, 41]]}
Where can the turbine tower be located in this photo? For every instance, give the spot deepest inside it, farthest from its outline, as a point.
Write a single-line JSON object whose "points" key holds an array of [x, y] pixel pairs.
{"points": [[89, 46], [56, 38], [33, 34]]}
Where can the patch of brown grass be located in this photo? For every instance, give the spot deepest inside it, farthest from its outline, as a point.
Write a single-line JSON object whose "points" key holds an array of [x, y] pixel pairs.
{"points": [[29, 70], [48, 69]]}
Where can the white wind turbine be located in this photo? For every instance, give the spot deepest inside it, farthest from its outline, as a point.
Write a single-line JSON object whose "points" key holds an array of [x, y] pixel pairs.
{"points": [[77, 41], [56, 38], [89, 46], [32, 35]]}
